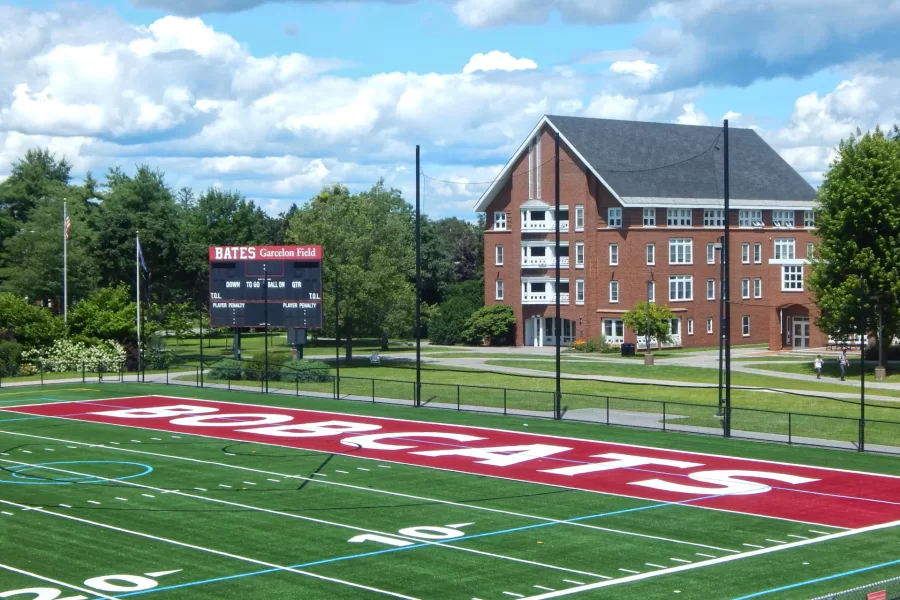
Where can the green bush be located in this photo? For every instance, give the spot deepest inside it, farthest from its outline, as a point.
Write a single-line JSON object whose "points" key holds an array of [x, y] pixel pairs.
{"points": [[493, 323], [9, 358], [304, 371], [227, 368], [255, 368]]}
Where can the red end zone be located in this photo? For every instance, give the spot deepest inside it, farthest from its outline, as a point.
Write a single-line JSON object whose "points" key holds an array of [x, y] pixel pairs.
{"points": [[810, 494]]}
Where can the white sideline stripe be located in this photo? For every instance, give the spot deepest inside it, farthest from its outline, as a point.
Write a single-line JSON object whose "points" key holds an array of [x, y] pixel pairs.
{"points": [[192, 547], [389, 493], [320, 521], [91, 593], [717, 561], [698, 506]]}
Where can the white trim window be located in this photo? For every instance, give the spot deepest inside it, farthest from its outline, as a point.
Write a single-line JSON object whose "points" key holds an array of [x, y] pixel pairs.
{"points": [[614, 291], [500, 221], [579, 291], [710, 289], [810, 250], [710, 254], [713, 218], [690, 327], [579, 217], [757, 253], [649, 217], [709, 325], [651, 291], [745, 326], [750, 218], [745, 254], [498, 289], [681, 288], [614, 217], [579, 255], [678, 217], [745, 288], [757, 287], [614, 254], [784, 248], [782, 218], [651, 254], [792, 278], [809, 219], [680, 250], [498, 255]]}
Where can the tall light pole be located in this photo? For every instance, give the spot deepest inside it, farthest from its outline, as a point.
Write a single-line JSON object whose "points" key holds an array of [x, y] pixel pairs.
{"points": [[649, 296]]}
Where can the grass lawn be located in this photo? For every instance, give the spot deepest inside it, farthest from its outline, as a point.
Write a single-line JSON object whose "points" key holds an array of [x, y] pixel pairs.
{"points": [[831, 370]]}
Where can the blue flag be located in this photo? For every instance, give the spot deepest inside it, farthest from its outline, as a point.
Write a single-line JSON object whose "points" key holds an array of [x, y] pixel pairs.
{"points": [[141, 256]]}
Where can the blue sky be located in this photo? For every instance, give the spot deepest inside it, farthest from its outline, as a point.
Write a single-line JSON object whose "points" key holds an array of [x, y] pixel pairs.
{"points": [[278, 99]]}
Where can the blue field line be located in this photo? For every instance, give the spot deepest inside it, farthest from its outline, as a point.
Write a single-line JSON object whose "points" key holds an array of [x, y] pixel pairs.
{"points": [[30, 399], [422, 545], [22, 419], [819, 580]]}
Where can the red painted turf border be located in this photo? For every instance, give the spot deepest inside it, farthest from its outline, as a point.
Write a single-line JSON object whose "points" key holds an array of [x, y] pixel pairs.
{"points": [[831, 497]]}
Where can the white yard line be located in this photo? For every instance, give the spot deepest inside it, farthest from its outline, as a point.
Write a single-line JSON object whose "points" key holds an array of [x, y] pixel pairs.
{"points": [[314, 520], [389, 493], [92, 593], [192, 547], [715, 561]]}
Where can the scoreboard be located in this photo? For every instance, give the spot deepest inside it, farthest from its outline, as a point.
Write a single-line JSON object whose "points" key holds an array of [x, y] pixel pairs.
{"points": [[260, 286]]}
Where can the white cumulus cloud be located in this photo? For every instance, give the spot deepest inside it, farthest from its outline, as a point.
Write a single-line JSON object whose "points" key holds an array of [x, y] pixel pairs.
{"points": [[498, 61]]}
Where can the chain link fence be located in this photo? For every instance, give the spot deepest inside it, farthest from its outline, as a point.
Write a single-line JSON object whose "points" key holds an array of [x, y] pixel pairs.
{"points": [[888, 589]]}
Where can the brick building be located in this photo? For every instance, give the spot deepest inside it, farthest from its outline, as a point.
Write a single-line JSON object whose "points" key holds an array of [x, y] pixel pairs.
{"points": [[641, 212]]}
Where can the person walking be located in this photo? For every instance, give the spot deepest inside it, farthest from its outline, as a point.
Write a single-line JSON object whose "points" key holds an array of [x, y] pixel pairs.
{"points": [[818, 366], [842, 361]]}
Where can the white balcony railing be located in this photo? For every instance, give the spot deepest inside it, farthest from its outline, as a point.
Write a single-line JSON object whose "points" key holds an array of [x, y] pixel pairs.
{"points": [[544, 226], [674, 343], [544, 262], [544, 298]]}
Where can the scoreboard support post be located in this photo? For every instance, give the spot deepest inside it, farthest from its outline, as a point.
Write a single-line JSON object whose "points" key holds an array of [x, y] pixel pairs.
{"points": [[236, 343]]}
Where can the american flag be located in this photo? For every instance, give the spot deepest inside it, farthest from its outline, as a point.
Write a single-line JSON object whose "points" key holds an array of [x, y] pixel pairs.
{"points": [[68, 220]]}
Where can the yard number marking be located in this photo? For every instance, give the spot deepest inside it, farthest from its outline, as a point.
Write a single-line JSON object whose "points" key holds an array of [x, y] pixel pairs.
{"points": [[106, 583], [423, 532]]}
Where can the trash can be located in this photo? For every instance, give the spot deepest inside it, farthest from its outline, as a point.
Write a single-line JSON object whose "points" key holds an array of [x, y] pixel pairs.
{"points": [[627, 349]]}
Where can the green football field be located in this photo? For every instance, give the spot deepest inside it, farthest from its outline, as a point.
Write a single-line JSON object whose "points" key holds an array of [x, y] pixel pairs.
{"points": [[91, 510]]}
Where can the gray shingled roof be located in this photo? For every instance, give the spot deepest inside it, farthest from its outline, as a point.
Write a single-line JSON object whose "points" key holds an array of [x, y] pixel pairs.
{"points": [[614, 147]]}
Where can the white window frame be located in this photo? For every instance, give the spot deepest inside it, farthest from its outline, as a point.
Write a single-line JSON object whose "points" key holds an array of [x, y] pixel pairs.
{"points": [[579, 291], [500, 221], [745, 288], [498, 289], [757, 253], [614, 255], [809, 219], [679, 217], [709, 325], [810, 250], [710, 289], [579, 217], [745, 254], [789, 281], [651, 291], [498, 255], [683, 286], [750, 218], [614, 217], [713, 217], [710, 254], [649, 215], [686, 245], [783, 218], [745, 326], [690, 327], [651, 254], [613, 292], [785, 248], [579, 255], [757, 287]]}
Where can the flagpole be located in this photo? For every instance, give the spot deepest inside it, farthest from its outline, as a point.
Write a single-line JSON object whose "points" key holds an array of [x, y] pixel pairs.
{"points": [[65, 264], [137, 277]]}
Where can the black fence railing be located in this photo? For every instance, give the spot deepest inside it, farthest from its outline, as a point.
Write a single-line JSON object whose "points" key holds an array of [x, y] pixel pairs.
{"points": [[789, 427]]}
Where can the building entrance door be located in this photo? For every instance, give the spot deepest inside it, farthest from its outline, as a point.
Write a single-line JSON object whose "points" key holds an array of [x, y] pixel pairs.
{"points": [[801, 332]]}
